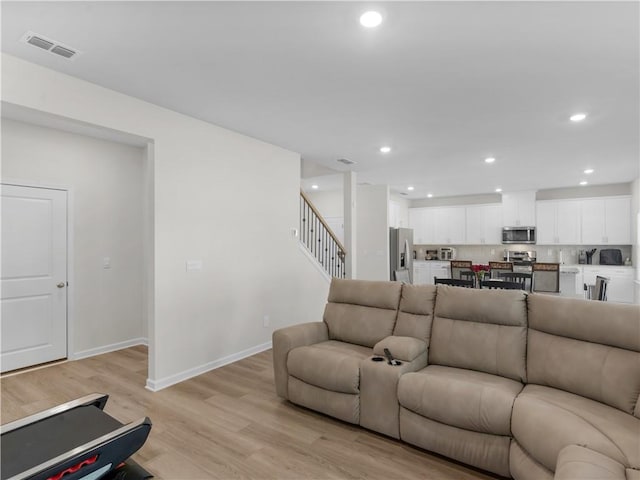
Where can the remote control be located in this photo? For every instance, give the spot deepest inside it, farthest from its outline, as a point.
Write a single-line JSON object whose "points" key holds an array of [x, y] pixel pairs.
{"points": [[387, 354]]}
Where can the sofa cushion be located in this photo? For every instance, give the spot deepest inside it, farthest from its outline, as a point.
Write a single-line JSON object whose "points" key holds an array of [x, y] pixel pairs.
{"points": [[615, 324], [606, 374], [483, 330], [545, 420], [376, 294], [360, 311], [482, 450], [331, 365], [575, 462], [585, 347], [471, 400], [524, 467], [416, 311]]}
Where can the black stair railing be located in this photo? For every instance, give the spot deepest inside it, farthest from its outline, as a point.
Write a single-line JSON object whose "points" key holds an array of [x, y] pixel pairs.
{"points": [[323, 244]]}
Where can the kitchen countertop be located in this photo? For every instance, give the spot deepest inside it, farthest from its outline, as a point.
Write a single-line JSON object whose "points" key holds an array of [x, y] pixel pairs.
{"points": [[594, 265], [568, 265]]}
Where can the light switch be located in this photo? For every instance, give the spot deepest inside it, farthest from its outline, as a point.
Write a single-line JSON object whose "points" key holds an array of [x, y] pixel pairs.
{"points": [[194, 265], [106, 262]]}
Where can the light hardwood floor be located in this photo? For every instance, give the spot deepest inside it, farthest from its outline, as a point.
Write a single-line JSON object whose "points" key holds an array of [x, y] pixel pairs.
{"points": [[225, 424]]}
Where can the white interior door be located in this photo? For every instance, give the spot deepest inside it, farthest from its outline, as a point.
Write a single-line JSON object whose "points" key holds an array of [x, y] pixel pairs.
{"points": [[34, 276]]}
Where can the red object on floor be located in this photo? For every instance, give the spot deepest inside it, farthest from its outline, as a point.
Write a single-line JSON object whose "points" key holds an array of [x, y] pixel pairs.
{"points": [[74, 468]]}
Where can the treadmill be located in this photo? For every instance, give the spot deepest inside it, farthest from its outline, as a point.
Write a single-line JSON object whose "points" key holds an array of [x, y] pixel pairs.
{"points": [[73, 441]]}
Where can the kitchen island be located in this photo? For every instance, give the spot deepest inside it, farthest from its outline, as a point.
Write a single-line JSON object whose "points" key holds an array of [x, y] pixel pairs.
{"points": [[572, 278]]}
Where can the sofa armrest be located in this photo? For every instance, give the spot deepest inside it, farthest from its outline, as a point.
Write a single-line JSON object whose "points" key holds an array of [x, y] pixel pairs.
{"points": [[580, 463], [406, 349], [288, 338]]}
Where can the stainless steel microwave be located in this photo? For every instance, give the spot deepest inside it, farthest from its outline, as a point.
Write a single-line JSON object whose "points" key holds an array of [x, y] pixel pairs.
{"points": [[519, 235]]}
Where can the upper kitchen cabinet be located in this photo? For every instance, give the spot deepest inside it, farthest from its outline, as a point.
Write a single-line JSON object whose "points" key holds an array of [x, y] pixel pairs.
{"points": [[449, 225], [558, 222], [438, 225], [519, 209], [484, 223], [422, 220], [398, 215], [606, 221]]}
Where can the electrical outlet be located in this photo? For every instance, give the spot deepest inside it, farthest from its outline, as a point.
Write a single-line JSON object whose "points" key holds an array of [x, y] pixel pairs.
{"points": [[493, 251], [266, 321], [550, 252]]}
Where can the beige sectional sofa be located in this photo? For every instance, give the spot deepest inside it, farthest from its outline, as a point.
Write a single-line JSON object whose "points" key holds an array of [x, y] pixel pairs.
{"points": [[529, 386]]}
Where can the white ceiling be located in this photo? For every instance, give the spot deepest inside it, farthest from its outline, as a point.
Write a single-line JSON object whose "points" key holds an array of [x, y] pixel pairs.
{"points": [[445, 84]]}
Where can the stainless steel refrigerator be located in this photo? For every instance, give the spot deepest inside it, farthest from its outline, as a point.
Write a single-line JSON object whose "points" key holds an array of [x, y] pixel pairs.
{"points": [[401, 252]]}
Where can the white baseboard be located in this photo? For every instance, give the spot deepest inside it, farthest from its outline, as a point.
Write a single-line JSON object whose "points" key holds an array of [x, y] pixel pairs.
{"points": [[108, 348], [156, 385]]}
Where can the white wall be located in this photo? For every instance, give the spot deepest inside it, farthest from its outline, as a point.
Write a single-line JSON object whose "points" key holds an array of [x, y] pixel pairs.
{"points": [[329, 203], [372, 252], [252, 265], [106, 181]]}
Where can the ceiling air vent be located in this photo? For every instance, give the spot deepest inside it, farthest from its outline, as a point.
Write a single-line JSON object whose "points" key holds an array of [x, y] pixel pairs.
{"points": [[63, 52], [52, 46], [346, 161], [40, 42]]}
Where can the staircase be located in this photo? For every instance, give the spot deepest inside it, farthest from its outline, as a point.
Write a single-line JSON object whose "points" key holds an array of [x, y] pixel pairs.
{"points": [[319, 240]]}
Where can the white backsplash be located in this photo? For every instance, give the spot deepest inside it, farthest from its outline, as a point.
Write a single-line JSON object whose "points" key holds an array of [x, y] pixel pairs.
{"points": [[545, 253]]}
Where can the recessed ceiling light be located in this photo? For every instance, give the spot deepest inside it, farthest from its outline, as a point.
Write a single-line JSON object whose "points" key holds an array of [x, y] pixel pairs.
{"points": [[498, 190], [410, 188], [588, 171], [429, 195], [370, 19], [583, 182], [315, 187], [489, 159], [578, 117], [385, 149]]}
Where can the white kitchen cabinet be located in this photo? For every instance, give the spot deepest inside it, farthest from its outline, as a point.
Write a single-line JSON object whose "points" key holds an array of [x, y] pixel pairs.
{"points": [[422, 221], [398, 215], [606, 221], [617, 214], [620, 288], [439, 270], [449, 225], [425, 271], [483, 224], [420, 273], [519, 209], [558, 222], [437, 225]]}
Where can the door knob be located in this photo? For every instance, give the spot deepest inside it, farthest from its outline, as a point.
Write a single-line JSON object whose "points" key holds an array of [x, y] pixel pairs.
{"points": [[61, 285]]}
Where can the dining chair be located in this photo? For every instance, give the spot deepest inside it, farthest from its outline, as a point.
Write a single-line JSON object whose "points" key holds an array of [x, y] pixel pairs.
{"points": [[455, 282], [458, 266], [468, 275], [519, 277], [546, 277], [601, 288], [501, 284], [495, 268]]}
